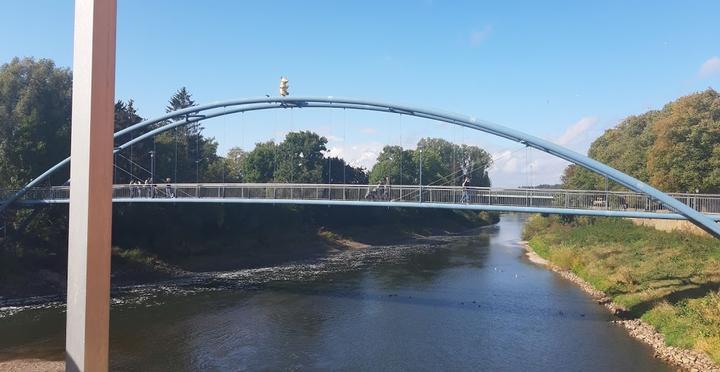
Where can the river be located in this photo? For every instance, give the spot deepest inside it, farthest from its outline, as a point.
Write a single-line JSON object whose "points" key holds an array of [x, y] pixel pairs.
{"points": [[471, 302]]}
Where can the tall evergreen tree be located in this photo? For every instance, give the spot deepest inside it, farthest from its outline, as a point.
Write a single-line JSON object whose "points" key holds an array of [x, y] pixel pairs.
{"points": [[134, 162], [184, 154], [180, 100]]}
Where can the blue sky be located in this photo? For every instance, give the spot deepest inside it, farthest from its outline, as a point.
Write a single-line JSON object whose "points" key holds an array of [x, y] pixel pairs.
{"points": [[562, 70]]}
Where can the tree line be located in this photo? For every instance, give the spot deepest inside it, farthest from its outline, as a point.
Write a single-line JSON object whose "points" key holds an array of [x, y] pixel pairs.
{"points": [[675, 149], [35, 119], [35, 104]]}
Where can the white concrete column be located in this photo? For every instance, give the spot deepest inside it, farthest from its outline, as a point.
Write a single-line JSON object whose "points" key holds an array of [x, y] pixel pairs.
{"points": [[91, 170]]}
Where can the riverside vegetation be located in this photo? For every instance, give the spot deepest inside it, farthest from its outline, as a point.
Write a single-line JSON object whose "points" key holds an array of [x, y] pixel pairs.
{"points": [[668, 279], [154, 241]]}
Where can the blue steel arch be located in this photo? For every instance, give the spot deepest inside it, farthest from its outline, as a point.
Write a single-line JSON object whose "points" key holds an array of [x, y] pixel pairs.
{"points": [[198, 113]]}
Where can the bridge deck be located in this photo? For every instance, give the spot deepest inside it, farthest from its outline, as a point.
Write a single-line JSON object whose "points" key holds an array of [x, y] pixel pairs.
{"points": [[577, 202]]}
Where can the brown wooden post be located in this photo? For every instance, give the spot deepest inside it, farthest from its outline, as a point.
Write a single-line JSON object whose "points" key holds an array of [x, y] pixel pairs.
{"points": [[91, 171]]}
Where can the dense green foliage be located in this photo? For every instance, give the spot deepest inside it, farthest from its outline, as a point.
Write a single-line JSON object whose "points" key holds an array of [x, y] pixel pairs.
{"points": [[676, 149], [443, 163], [35, 105], [300, 158], [670, 279]]}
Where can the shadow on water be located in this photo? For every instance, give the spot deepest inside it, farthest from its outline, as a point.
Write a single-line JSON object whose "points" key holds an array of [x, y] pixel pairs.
{"points": [[424, 268]]}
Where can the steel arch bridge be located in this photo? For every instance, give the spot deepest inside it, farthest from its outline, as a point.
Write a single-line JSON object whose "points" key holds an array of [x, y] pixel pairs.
{"points": [[676, 208]]}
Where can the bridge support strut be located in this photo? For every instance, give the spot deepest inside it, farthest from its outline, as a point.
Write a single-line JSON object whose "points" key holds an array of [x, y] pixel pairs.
{"points": [[88, 290]]}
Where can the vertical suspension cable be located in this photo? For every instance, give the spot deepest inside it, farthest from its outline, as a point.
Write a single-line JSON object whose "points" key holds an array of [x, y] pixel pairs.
{"points": [[132, 136], [224, 162], [197, 153], [152, 176], [401, 150], [532, 170], [175, 164], [329, 179], [275, 151], [454, 149], [291, 157], [463, 155], [242, 142], [527, 174], [344, 143], [607, 201]]}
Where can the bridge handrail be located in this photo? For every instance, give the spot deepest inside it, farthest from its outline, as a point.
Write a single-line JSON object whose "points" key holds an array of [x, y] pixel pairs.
{"points": [[564, 198], [349, 185]]}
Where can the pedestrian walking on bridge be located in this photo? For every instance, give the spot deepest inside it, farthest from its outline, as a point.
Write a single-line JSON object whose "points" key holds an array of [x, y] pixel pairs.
{"points": [[466, 193]]}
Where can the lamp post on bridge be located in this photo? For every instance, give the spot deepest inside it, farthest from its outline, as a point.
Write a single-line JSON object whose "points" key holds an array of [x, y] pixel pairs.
{"points": [[420, 148], [152, 166]]}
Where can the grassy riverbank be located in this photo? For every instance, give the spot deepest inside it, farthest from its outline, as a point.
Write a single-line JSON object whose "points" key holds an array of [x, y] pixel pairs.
{"points": [[668, 279]]}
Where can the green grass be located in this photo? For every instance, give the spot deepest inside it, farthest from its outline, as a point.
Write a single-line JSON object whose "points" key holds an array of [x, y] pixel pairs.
{"points": [[669, 279], [134, 255]]}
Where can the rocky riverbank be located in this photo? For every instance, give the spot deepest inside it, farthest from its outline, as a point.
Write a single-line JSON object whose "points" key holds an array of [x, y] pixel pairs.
{"points": [[686, 360]]}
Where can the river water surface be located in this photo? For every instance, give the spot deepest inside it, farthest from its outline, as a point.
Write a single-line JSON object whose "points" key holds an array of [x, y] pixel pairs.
{"points": [[465, 303]]}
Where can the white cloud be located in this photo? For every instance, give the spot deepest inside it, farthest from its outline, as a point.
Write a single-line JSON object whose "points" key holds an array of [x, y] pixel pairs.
{"points": [[334, 138], [505, 161], [710, 67], [526, 166], [478, 37], [279, 135], [361, 154], [523, 167], [334, 152], [580, 131]]}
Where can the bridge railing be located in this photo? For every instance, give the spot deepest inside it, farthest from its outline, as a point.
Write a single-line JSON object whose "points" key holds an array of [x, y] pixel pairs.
{"points": [[525, 197]]}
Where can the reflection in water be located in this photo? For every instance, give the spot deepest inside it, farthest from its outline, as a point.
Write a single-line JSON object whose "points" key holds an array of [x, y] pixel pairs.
{"points": [[471, 303]]}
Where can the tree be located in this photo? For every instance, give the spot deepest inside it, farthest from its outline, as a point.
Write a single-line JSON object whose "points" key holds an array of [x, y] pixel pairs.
{"points": [[35, 105], [443, 163], [184, 154], [133, 163], [258, 165], [233, 164], [686, 153], [675, 149], [300, 158], [336, 170], [623, 147], [125, 116], [398, 164], [180, 100], [474, 164]]}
